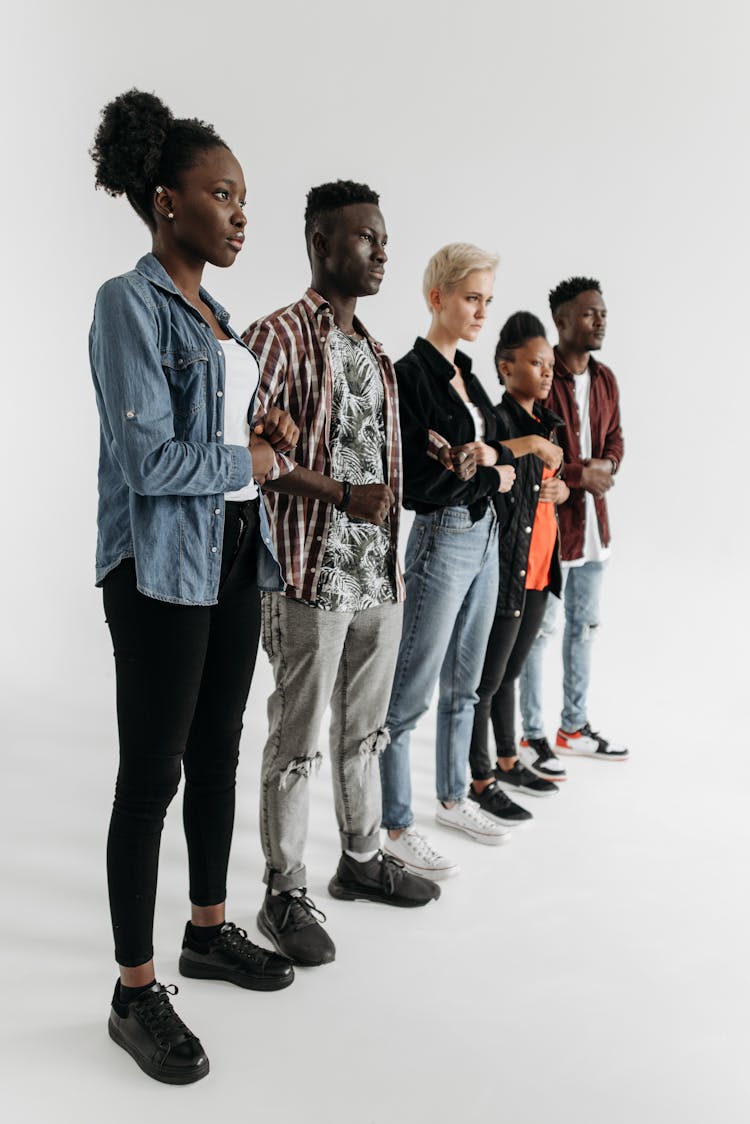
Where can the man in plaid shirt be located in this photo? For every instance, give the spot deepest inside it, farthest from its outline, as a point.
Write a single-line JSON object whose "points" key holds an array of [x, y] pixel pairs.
{"points": [[332, 637]]}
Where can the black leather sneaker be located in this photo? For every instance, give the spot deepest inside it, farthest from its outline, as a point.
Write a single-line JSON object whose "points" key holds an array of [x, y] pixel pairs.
{"points": [[519, 779], [493, 802], [154, 1035], [380, 879], [291, 922], [231, 956]]}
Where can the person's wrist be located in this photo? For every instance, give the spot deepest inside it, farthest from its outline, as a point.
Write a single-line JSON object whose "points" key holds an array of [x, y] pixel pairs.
{"points": [[346, 495]]}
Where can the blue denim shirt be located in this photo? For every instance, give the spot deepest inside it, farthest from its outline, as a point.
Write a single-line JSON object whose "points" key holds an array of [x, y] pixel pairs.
{"points": [[158, 372]]}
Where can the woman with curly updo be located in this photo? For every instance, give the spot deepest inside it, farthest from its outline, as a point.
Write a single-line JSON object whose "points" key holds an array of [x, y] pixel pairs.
{"points": [[183, 548]]}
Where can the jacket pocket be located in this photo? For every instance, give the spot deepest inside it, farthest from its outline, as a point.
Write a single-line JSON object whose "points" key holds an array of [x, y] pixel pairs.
{"points": [[187, 374]]}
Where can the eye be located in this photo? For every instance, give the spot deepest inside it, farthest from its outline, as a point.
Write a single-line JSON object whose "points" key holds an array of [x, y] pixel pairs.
{"points": [[222, 193], [367, 237], [243, 204]]}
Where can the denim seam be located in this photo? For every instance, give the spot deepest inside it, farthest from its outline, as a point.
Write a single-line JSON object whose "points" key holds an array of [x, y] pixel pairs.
{"points": [[274, 627], [340, 750]]}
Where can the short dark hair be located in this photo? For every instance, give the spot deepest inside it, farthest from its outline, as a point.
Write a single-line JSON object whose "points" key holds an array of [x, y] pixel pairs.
{"points": [[330, 197], [516, 330], [569, 290], [139, 144]]}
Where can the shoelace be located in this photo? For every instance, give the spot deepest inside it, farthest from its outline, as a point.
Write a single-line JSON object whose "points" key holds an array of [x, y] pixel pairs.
{"points": [[421, 847], [235, 939], [543, 749], [302, 911], [392, 871], [472, 812], [497, 796], [159, 1016]]}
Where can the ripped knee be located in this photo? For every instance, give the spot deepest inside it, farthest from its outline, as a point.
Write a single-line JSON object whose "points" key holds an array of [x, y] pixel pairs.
{"points": [[300, 767], [375, 743]]}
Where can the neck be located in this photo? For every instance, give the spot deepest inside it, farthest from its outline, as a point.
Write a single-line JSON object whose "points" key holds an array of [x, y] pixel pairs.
{"points": [[575, 361], [442, 342], [344, 306], [186, 273]]}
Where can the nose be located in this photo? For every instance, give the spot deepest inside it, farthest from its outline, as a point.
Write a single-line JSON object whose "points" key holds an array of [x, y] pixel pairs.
{"points": [[239, 218], [378, 252]]}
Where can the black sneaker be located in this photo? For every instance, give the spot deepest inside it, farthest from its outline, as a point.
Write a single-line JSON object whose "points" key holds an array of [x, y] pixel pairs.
{"points": [[494, 803], [519, 779], [380, 879], [231, 956], [290, 921], [154, 1035], [537, 755]]}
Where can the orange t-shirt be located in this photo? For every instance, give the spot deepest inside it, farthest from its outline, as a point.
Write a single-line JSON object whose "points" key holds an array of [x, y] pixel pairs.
{"points": [[543, 539]]}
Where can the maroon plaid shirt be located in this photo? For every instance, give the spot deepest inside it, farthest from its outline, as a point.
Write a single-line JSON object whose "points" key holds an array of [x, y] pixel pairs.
{"points": [[295, 374]]}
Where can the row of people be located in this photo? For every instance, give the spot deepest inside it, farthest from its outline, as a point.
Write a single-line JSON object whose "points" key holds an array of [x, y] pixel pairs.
{"points": [[195, 421]]}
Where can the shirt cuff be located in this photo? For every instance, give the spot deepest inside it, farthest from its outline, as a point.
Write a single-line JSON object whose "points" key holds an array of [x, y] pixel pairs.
{"points": [[281, 466]]}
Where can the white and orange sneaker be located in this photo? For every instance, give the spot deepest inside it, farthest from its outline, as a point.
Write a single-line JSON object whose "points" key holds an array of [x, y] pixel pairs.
{"points": [[587, 743]]}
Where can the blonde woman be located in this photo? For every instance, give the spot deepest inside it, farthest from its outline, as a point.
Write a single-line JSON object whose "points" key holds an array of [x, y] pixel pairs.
{"points": [[451, 557]]}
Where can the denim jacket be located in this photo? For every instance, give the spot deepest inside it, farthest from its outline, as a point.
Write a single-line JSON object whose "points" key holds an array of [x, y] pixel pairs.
{"points": [[158, 372]]}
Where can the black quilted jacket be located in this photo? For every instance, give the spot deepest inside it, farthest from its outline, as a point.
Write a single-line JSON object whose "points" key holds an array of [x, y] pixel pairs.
{"points": [[513, 421]]}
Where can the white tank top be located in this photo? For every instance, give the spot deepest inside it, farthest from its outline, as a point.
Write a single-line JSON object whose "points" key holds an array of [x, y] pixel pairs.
{"points": [[240, 383]]}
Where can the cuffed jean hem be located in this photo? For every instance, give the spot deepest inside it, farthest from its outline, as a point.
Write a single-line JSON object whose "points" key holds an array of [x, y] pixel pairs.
{"points": [[452, 799], [281, 882], [359, 843], [397, 826]]}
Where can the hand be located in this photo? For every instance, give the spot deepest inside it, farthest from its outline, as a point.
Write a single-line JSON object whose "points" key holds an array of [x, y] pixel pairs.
{"points": [[278, 427], [484, 454], [263, 458], [507, 474], [458, 459], [549, 454], [370, 502], [597, 477], [553, 490]]}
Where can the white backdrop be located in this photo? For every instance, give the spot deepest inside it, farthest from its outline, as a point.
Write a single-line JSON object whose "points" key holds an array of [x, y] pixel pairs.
{"points": [[607, 139]]}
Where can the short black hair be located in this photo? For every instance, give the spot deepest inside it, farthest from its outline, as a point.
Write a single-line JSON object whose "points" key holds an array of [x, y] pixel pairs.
{"points": [[139, 144], [330, 197], [516, 330], [569, 290]]}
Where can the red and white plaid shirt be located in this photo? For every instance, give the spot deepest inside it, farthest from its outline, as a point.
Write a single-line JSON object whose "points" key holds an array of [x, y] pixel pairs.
{"points": [[295, 374]]}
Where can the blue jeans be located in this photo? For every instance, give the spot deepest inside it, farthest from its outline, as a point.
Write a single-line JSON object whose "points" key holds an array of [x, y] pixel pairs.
{"points": [[580, 595], [451, 589]]}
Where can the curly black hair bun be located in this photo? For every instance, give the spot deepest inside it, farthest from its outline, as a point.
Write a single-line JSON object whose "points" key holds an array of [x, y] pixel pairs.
{"points": [[129, 142]]}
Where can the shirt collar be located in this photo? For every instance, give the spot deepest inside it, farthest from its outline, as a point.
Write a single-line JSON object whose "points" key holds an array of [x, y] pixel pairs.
{"points": [[151, 268], [437, 364], [318, 306], [542, 415], [564, 372]]}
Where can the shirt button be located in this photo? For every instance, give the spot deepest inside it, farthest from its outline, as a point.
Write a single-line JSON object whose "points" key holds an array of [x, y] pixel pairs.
{"points": [[130, 414], [219, 393], [319, 538], [522, 573], [214, 549], [217, 511], [536, 487], [218, 433], [517, 613], [312, 569], [218, 351], [527, 530]]}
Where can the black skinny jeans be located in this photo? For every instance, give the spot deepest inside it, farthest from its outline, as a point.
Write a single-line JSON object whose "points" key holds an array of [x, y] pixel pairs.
{"points": [[507, 648], [183, 676]]}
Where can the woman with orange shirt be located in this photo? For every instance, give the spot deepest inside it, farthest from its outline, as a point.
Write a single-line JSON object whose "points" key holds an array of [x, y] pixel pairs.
{"points": [[529, 570]]}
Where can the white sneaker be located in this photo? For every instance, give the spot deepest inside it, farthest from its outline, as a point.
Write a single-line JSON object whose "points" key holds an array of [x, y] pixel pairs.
{"points": [[466, 816], [419, 856]]}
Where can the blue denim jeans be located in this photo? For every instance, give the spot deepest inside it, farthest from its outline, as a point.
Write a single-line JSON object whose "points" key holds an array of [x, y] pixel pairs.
{"points": [[580, 595], [451, 588]]}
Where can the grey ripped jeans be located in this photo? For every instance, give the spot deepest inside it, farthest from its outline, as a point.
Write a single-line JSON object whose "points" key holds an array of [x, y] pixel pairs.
{"points": [[318, 657]]}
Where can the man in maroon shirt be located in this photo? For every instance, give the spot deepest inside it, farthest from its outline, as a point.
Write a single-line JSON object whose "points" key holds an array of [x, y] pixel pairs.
{"points": [[585, 395]]}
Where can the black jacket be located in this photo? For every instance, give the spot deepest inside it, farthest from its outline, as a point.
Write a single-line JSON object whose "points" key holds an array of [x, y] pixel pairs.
{"points": [[513, 421], [428, 401]]}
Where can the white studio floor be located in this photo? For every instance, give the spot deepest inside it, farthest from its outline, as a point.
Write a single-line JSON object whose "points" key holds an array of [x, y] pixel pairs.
{"points": [[592, 971]]}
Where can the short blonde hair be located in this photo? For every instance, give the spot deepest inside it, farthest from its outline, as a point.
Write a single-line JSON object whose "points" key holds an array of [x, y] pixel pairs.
{"points": [[451, 264]]}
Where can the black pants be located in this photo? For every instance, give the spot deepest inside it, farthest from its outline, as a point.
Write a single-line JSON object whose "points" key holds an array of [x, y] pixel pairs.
{"points": [[183, 677], [507, 648]]}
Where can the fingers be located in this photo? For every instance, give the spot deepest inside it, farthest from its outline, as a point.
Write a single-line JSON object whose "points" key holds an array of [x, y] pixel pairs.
{"points": [[279, 429]]}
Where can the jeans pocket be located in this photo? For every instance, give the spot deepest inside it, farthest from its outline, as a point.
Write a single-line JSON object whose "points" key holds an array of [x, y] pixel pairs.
{"points": [[454, 521]]}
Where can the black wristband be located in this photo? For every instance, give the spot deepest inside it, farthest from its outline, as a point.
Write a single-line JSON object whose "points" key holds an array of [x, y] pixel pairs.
{"points": [[346, 496]]}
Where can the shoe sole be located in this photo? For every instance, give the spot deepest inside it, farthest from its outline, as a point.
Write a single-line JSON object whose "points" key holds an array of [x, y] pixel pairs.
{"points": [[267, 931], [519, 788], [487, 840], [554, 777], [425, 872], [154, 1070], [591, 754], [344, 893], [195, 971]]}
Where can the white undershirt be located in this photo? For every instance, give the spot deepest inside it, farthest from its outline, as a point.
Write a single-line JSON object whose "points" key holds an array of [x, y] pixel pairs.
{"points": [[240, 383], [477, 418], [593, 551]]}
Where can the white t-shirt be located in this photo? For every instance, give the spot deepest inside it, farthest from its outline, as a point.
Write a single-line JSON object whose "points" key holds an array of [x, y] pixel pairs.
{"points": [[593, 551], [240, 383], [477, 418]]}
